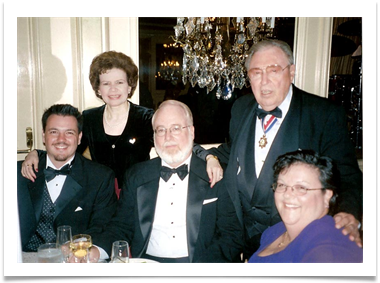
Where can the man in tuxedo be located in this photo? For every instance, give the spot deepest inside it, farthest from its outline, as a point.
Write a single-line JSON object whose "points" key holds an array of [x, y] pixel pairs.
{"points": [[69, 189], [167, 211], [299, 121]]}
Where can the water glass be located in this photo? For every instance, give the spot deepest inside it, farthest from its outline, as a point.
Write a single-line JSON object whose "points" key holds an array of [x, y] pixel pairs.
{"points": [[120, 252], [64, 239], [49, 253]]}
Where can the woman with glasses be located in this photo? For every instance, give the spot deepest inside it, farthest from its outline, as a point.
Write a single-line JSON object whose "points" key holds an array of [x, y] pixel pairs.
{"points": [[305, 192]]}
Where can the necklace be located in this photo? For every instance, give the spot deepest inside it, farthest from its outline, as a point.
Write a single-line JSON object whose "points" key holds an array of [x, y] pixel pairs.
{"points": [[283, 240], [113, 143], [115, 125]]}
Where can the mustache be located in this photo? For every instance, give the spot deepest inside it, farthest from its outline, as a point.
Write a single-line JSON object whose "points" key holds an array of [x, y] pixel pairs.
{"points": [[60, 144], [169, 143]]}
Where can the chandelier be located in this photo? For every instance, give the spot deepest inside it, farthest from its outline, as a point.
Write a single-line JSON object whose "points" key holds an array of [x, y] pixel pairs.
{"points": [[215, 50], [169, 69]]}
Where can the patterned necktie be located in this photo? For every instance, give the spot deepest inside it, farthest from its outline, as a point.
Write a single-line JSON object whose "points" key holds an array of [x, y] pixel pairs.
{"points": [[167, 172], [261, 113], [51, 173]]}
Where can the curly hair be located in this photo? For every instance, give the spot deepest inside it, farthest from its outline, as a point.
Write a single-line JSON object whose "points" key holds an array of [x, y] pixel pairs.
{"points": [[109, 60]]}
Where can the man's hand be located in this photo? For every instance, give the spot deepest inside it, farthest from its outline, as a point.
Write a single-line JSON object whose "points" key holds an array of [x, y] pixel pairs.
{"points": [[92, 257], [214, 170], [94, 254], [350, 226], [30, 163]]}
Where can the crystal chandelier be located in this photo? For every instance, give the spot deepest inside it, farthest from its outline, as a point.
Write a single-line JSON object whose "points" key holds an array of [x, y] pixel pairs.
{"points": [[215, 50], [169, 69]]}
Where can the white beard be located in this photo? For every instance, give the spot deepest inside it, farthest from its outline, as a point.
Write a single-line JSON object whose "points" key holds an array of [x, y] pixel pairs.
{"points": [[178, 157]]}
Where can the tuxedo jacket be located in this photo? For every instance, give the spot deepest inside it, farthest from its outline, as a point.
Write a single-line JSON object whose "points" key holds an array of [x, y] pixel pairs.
{"points": [[213, 230], [313, 123], [86, 203]]}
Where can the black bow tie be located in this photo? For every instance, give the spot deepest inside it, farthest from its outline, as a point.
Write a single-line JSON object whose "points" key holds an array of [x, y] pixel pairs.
{"points": [[167, 172], [261, 113], [50, 173]]}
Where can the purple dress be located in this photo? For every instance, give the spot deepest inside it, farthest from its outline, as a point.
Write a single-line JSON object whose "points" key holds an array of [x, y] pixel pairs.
{"points": [[320, 241]]}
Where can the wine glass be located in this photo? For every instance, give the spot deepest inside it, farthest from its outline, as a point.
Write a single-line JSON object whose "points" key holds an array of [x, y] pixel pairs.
{"points": [[49, 253], [120, 252], [80, 246], [64, 239]]}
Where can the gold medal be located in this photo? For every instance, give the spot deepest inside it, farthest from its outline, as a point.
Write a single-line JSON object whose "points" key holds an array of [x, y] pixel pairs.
{"points": [[263, 141]]}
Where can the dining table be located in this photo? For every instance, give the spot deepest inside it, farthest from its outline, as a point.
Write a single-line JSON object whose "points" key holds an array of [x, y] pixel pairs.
{"points": [[31, 257]]}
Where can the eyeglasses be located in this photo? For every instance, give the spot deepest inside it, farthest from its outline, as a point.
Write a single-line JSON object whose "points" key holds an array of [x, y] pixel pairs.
{"points": [[272, 71], [297, 189], [174, 130]]}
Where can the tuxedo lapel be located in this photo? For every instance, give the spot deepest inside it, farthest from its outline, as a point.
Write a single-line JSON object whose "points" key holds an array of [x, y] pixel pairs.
{"points": [[70, 190], [245, 148], [36, 190], [146, 196], [287, 138], [37, 187], [146, 205], [198, 184], [72, 186]]}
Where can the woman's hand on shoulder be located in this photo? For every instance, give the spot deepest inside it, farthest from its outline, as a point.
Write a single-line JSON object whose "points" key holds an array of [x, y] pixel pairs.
{"points": [[214, 170], [30, 166]]}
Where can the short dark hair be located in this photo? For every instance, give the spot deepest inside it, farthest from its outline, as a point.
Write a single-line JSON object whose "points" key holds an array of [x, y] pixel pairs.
{"points": [[328, 173], [109, 60], [63, 110]]}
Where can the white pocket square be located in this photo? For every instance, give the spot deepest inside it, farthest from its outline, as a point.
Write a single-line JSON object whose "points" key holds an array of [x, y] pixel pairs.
{"points": [[78, 209], [238, 171], [206, 201]]}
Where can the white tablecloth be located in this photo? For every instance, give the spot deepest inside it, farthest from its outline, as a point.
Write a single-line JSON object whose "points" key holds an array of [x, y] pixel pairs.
{"points": [[29, 257]]}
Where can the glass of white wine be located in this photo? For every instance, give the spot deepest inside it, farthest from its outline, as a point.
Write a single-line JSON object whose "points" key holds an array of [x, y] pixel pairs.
{"points": [[80, 247]]}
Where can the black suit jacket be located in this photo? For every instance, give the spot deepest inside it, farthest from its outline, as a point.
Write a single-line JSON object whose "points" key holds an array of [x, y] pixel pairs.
{"points": [[86, 203], [313, 123], [213, 230]]}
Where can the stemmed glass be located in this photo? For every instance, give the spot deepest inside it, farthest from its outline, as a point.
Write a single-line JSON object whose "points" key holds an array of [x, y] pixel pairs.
{"points": [[64, 239], [120, 252], [80, 247]]}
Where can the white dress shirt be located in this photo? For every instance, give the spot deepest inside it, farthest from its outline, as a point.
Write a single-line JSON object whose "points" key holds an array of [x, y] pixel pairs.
{"points": [[261, 153], [169, 237], [55, 185]]}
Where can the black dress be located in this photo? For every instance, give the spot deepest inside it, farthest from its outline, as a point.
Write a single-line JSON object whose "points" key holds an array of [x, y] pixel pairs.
{"points": [[118, 152]]}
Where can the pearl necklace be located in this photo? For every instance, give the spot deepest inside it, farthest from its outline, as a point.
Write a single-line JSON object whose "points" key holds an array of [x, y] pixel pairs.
{"points": [[115, 125]]}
